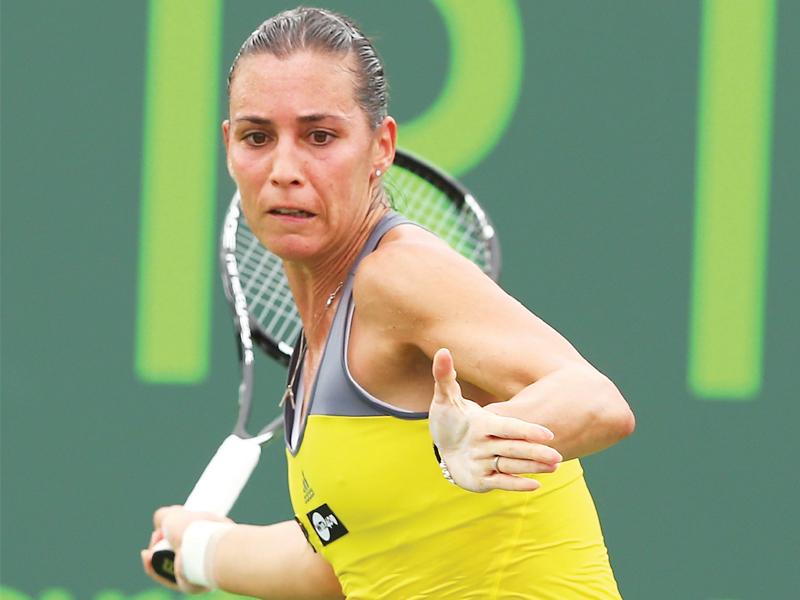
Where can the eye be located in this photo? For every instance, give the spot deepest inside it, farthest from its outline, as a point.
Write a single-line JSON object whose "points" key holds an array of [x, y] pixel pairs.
{"points": [[256, 138], [320, 138]]}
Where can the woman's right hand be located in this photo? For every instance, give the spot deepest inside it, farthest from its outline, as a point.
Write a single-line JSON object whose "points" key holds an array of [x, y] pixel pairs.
{"points": [[473, 440], [170, 522]]}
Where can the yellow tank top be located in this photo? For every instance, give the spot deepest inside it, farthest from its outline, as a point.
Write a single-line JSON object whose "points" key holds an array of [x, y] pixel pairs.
{"points": [[372, 500], [367, 490]]}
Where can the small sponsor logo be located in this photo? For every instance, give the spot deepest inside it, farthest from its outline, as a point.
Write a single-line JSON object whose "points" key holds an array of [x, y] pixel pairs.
{"points": [[327, 526], [308, 491]]}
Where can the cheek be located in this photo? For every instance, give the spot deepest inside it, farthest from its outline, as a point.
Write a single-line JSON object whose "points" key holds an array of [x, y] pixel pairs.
{"points": [[355, 175], [248, 209], [249, 175], [351, 187], [240, 162]]}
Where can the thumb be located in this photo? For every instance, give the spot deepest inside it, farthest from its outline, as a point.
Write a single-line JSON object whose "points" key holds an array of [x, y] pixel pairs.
{"points": [[443, 365], [446, 389]]}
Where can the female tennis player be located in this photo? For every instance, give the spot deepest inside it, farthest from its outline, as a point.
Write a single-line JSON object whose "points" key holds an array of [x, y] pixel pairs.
{"points": [[419, 383]]}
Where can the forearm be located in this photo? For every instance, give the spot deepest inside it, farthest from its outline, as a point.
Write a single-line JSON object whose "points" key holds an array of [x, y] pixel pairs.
{"points": [[583, 408], [273, 562]]}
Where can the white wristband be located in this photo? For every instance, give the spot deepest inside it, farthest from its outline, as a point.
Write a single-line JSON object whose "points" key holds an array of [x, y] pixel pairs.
{"points": [[197, 551]]}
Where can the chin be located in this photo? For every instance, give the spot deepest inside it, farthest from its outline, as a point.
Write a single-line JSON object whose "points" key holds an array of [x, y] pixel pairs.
{"points": [[291, 247]]}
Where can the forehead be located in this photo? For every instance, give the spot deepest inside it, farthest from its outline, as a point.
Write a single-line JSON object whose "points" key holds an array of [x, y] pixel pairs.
{"points": [[307, 81]]}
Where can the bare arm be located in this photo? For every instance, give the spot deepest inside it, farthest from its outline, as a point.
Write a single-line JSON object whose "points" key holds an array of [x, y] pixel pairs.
{"points": [[583, 408], [273, 562], [510, 361]]}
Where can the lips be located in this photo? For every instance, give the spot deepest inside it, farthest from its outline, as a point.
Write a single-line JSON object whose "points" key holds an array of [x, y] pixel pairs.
{"points": [[291, 212]]}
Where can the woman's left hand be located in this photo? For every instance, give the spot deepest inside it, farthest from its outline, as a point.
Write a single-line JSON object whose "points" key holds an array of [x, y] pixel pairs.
{"points": [[484, 451], [170, 522]]}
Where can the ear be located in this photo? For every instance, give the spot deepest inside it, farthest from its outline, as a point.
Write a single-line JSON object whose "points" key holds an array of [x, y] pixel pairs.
{"points": [[226, 135], [385, 144]]}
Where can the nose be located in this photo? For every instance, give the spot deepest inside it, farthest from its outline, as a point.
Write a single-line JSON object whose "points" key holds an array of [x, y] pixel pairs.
{"points": [[286, 167]]}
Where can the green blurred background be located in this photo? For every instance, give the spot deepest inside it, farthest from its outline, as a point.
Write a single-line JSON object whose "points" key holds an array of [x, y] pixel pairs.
{"points": [[591, 183]]}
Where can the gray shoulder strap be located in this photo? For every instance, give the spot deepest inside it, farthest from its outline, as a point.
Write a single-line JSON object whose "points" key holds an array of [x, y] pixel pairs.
{"points": [[335, 392]]}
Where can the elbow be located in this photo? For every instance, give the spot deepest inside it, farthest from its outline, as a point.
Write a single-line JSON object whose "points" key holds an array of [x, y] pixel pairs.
{"points": [[610, 416], [618, 417], [625, 422]]}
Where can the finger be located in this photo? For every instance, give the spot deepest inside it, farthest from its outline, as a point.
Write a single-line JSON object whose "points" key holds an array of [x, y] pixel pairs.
{"points": [[172, 530], [446, 390], [525, 450], [517, 429], [516, 466], [156, 537], [158, 516], [161, 514], [512, 483], [147, 561], [174, 520], [443, 369]]}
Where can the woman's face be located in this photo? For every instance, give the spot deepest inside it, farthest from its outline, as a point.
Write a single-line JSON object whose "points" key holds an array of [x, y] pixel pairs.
{"points": [[302, 152]]}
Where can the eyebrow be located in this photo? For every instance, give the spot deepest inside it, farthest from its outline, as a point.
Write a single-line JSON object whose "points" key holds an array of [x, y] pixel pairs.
{"points": [[315, 118]]}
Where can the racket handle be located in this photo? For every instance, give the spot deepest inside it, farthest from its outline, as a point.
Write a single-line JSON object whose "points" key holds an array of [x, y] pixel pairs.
{"points": [[216, 491]]}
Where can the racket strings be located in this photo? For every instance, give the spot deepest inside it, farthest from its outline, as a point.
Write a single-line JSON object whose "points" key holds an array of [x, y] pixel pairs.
{"points": [[424, 203], [269, 299]]}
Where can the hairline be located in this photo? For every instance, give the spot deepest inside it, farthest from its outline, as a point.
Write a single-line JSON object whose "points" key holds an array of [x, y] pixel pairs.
{"points": [[344, 55]]}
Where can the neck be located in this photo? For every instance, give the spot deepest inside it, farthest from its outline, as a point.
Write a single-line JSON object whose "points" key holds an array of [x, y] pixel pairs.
{"points": [[313, 285]]}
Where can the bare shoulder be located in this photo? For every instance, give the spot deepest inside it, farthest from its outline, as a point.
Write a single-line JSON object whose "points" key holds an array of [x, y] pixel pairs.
{"points": [[405, 277], [415, 295], [410, 299]]}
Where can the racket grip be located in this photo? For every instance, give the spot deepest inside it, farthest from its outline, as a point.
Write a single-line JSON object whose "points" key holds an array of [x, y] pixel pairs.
{"points": [[216, 491]]}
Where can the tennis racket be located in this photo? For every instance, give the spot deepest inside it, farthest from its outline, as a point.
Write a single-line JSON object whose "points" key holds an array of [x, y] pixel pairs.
{"points": [[265, 316]]}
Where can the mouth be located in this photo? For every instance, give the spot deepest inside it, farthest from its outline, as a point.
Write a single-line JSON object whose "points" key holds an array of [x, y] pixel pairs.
{"points": [[291, 212]]}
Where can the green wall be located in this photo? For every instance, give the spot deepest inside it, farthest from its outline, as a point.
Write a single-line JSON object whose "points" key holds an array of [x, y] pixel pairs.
{"points": [[594, 183]]}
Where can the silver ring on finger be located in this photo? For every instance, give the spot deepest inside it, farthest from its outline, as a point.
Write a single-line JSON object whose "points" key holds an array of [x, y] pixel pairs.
{"points": [[497, 468]]}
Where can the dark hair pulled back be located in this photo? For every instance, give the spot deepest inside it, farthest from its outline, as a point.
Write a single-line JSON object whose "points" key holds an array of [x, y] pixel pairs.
{"points": [[323, 31]]}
